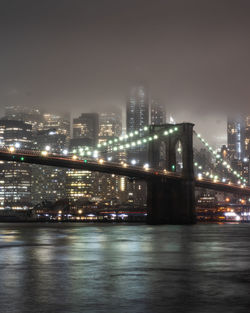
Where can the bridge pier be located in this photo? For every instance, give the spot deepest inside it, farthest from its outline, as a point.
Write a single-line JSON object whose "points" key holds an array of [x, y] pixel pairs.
{"points": [[171, 202]]}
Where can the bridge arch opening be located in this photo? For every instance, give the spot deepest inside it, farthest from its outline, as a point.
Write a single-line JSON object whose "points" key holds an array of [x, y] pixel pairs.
{"points": [[178, 157], [162, 154]]}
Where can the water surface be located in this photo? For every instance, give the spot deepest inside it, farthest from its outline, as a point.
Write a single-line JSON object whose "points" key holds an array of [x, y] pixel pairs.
{"points": [[124, 268]]}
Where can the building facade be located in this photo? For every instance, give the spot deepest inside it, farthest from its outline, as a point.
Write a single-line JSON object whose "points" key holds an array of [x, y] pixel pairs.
{"points": [[15, 178], [236, 137], [158, 114]]}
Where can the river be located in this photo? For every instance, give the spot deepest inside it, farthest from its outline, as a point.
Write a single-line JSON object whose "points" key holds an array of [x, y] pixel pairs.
{"points": [[124, 268]]}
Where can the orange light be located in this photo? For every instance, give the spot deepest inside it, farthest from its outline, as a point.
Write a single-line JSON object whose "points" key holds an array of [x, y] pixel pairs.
{"points": [[227, 199], [11, 149], [101, 161]]}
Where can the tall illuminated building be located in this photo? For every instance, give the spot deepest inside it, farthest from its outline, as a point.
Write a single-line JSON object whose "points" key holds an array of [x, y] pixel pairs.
{"points": [[49, 183], [15, 178], [236, 137], [80, 184], [110, 188], [137, 117], [247, 136], [158, 115]]}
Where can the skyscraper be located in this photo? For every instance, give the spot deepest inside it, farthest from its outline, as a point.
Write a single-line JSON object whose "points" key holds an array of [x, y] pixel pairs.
{"points": [[137, 117], [15, 178], [137, 108], [79, 184], [236, 137], [247, 136], [108, 186], [49, 183], [157, 113]]}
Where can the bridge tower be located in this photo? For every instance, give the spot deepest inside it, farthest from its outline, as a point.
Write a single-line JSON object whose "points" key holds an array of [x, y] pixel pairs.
{"points": [[172, 201]]}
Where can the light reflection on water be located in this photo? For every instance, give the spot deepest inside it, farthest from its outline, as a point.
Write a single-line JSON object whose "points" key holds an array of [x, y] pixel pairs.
{"points": [[124, 268]]}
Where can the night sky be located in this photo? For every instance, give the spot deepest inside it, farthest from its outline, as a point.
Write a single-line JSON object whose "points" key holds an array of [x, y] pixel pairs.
{"points": [[82, 56]]}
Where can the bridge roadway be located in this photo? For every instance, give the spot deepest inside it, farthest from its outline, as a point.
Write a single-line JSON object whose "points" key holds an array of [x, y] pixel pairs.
{"points": [[35, 157]]}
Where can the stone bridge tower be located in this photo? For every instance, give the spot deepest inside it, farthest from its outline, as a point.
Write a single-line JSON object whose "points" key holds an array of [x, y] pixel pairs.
{"points": [[172, 201]]}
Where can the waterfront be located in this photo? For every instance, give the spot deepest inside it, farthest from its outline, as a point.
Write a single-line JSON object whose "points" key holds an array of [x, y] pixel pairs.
{"points": [[124, 268]]}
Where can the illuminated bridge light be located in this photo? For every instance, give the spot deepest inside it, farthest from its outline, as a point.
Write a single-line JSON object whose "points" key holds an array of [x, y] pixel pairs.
{"points": [[199, 176], [165, 133], [44, 153], [22, 158]]}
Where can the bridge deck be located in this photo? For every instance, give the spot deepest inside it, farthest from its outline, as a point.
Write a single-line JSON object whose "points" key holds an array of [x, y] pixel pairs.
{"points": [[35, 157]]}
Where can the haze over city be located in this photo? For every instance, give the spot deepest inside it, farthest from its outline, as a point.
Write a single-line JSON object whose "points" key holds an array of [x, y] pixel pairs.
{"points": [[84, 56]]}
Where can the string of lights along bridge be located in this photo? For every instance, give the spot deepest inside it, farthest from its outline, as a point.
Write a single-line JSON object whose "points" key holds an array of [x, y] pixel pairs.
{"points": [[140, 138], [225, 164]]}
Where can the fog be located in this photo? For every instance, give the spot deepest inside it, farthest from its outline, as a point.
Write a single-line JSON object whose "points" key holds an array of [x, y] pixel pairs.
{"points": [[83, 56]]}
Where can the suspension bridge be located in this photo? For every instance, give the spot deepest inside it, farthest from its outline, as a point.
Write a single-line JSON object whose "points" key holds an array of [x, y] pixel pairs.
{"points": [[170, 192]]}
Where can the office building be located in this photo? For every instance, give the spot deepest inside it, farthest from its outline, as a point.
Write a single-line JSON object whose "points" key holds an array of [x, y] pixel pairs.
{"points": [[15, 178], [86, 126], [137, 118], [158, 115], [247, 137], [236, 137]]}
